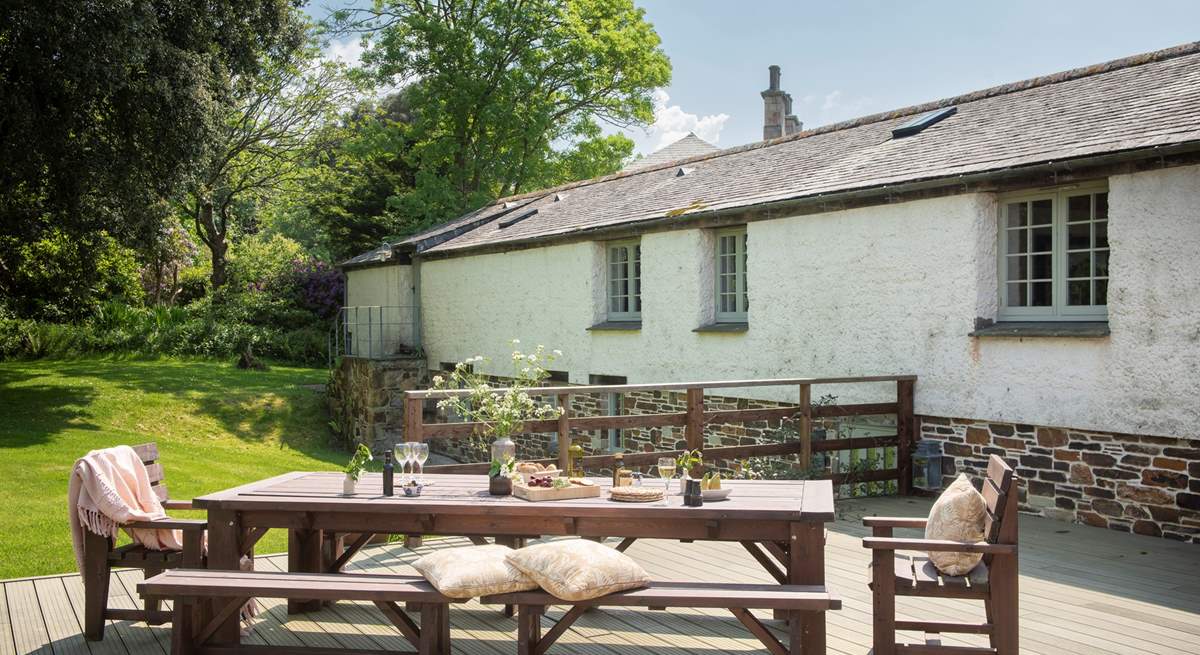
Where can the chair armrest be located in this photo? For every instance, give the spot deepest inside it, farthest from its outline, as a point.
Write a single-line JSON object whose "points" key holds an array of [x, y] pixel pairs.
{"points": [[168, 524], [893, 522], [177, 504], [938, 545]]}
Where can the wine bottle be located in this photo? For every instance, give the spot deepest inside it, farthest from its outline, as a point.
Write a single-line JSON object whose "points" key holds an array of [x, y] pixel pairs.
{"points": [[388, 473]]}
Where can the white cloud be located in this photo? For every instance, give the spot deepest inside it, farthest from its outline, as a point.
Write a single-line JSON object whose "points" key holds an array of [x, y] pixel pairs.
{"points": [[347, 51], [672, 123]]}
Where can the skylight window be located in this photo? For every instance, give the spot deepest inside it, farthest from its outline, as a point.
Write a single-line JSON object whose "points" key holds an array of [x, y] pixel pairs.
{"points": [[517, 218], [923, 121]]}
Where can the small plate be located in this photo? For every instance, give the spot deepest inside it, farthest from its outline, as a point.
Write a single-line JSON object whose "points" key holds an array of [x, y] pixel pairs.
{"points": [[710, 495]]}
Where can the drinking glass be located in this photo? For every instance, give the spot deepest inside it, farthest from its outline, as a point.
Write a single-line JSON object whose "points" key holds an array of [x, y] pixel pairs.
{"points": [[420, 453], [404, 455], [666, 469]]}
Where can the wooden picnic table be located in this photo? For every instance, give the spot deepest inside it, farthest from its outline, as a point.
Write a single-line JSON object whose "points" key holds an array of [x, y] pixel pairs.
{"points": [[780, 523]]}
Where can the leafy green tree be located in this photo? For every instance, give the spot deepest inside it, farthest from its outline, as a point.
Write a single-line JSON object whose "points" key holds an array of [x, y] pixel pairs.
{"points": [[269, 132], [105, 107], [504, 90]]}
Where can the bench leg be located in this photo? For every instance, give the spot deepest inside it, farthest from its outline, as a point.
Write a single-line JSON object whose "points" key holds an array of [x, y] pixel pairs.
{"points": [[444, 631], [95, 585], [529, 628], [183, 629], [152, 605], [883, 592]]}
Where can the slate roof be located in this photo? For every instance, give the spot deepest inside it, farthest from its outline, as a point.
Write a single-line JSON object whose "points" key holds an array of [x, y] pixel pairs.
{"points": [[685, 148], [1134, 103]]}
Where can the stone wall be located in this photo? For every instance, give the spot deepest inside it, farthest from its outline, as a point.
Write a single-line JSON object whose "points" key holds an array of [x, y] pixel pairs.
{"points": [[366, 399], [1144, 484]]}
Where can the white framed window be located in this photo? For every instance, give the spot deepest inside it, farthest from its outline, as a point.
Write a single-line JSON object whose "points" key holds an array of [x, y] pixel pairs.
{"points": [[732, 300], [1053, 255], [624, 280]]}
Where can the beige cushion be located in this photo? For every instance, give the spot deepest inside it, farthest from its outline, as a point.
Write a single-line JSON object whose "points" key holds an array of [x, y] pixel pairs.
{"points": [[957, 515], [578, 569], [473, 571]]}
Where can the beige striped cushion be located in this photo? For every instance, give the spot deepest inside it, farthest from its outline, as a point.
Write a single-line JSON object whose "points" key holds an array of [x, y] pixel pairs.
{"points": [[957, 515], [473, 571], [578, 569]]}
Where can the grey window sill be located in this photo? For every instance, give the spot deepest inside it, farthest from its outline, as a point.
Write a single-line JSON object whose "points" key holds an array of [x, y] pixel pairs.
{"points": [[1066, 329], [723, 327], [616, 326]]}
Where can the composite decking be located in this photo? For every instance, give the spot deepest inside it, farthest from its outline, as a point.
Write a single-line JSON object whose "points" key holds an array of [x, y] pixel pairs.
{"points": [[1083, 590]]}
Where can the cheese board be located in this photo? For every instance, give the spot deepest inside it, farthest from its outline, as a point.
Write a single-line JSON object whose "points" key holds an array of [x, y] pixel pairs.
{"points": [[584, 489]]}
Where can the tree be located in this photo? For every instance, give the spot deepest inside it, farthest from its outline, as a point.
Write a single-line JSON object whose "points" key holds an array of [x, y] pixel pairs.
{"points": [[268, 132], [105, 106], [502, 89]]}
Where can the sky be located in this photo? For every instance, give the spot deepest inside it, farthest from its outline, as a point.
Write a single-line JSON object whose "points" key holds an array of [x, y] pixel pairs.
{"points": [[846, 59]]}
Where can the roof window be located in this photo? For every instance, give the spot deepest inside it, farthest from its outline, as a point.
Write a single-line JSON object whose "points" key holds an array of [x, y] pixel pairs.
{"points": [[923, 121]]}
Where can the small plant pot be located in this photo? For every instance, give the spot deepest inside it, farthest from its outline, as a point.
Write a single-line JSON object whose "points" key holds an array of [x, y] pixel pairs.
{"points": [[500, 485], [349, 486]]}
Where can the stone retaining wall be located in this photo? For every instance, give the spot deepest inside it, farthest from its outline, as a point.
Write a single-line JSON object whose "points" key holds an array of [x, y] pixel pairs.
{"points": [[1148, 485], [366, 399]]}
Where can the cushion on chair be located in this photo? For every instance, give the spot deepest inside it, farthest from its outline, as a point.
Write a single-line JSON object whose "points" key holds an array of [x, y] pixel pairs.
{"points": [[473, 571], [578, 569], [957, 515]]}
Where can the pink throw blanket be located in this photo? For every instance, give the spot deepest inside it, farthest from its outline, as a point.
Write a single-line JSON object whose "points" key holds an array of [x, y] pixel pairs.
{"points": [[110, 487]]}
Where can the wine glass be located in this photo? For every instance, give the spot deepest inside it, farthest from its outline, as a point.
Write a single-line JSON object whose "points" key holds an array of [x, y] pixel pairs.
{"points": [[666, 469], [420, 453], [404, 455]]}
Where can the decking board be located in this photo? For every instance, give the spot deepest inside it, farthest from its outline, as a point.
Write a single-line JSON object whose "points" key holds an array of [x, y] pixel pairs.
{"points": [[1083, 590]]}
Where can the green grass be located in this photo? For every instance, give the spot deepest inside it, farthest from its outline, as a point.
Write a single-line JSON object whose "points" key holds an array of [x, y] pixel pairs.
{"points": [[216, 427]]}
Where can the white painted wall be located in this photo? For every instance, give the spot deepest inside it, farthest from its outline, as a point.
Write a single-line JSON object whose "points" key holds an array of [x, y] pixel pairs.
{"points": [[880, 290], [380, 314]]}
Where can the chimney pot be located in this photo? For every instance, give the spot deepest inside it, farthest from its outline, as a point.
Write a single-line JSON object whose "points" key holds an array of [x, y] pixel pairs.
{"points": [[774, 78]]}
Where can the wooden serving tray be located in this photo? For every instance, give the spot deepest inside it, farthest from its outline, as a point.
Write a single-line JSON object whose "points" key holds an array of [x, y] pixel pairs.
{"points": [[536, 494]]}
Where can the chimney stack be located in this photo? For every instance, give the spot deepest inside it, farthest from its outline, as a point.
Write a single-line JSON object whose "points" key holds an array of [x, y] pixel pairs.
{"points": [[778, 119]]}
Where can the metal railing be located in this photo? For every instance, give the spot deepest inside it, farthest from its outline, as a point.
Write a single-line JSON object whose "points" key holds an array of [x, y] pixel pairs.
{"points": [[374, 332]]}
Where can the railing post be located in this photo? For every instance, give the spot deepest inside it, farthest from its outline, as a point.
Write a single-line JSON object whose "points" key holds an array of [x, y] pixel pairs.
{"points": [[694, 430], [370, 336], [806, 426], [905, 435], [564, 432], [413, 419]]}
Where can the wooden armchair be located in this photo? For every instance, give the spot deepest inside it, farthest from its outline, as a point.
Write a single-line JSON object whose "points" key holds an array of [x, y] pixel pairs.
{"points": [[100, 556], [994, 581]]}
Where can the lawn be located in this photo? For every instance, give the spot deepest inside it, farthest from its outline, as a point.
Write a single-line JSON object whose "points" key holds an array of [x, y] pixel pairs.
{"points": [[216, 427]]}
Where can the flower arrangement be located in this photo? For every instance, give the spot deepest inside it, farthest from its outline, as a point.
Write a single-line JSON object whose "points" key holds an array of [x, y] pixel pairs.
{"points": [[506, 468], [501, 414], [689, 459], [358, 463]]}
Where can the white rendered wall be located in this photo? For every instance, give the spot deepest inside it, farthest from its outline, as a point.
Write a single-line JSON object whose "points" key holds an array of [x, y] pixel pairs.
{"points": [[379, 313], [882, 290]]}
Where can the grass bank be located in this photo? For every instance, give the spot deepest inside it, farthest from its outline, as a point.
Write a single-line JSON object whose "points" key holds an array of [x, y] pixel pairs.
{"points": [[216, 427]]}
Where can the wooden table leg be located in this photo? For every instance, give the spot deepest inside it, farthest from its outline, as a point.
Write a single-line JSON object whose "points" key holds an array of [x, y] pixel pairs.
{"points": [[806, 565], [304, 556], [224, 554]]}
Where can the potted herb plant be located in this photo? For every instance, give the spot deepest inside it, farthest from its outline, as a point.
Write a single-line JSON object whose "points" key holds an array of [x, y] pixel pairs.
{"points": [[354, 469], [501, 412]]}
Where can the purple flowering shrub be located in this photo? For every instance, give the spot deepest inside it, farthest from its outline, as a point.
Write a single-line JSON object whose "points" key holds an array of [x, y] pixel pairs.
{"points": [[316, 286]]}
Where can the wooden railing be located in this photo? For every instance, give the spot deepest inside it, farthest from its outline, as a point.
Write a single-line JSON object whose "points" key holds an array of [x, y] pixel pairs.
{"points": [[693, 420]]}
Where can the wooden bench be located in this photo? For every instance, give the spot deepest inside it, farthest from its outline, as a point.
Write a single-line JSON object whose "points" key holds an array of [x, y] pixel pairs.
{"points": [[739, 599], [196, 591]]}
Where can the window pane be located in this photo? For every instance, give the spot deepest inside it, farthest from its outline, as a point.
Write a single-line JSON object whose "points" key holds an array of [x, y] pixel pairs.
{"points": [[1042, 239], [1102, 234], [1042, 265], [1101, 206], [1016, 294], [1079, 208], [1016, 241], [1043, 212], [1079, 292], [1079, 236], [1102, 292], [1018, 214], [1018, 267], [1101, 263], [1079, 264], [1040, 294]]}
